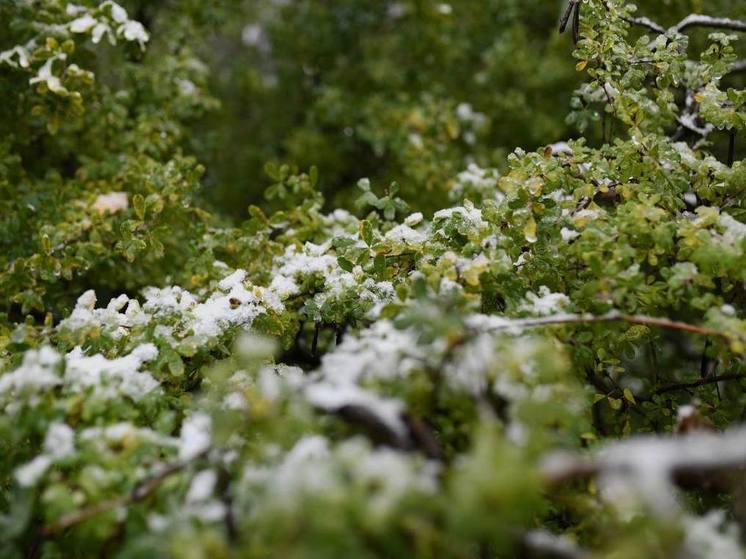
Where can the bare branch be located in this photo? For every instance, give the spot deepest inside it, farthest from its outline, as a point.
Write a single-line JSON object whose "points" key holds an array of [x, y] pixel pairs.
{"points": [[613, 316], [645, 22], [543, 543], [692, 20], [738, 66], [140, 492], [698, 20], [698, 382], [566, 15], [649, 466]]}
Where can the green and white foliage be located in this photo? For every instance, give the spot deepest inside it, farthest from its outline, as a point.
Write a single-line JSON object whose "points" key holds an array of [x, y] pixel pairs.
{"points": [[535, 369]]}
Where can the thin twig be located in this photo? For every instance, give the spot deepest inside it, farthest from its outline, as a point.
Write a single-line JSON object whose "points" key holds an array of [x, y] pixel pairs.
{"points": [[692, 20], [139, 493], [698, 20], [738, 66], [613, 316], [645, 22], [699, 382], [566, 15], [701, 452], [731, 146]]}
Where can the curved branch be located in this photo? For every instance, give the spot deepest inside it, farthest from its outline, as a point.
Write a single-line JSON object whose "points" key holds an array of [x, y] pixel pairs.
{"points": [[692, 20], [613, 316], [698, 20], [675, 458], [140, 492], [645, 22], [738, 66], [699, 382]]}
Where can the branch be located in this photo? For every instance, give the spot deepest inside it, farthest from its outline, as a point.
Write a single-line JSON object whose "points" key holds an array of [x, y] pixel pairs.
{"points": [[645, 22], [738, 66], [139, 493], [692, 20], [613, 316], [649, 466], [542, 543], [698, 382], [698, 20]]}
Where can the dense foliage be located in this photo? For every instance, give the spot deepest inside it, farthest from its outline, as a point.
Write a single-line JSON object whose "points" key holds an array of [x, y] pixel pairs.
{"points": [[476, 355]]}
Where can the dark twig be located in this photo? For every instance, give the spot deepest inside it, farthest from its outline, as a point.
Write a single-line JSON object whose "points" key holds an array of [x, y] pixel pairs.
{"points": [[738, 66], [645, 22], [697, 453], [698, 20], [731, 146], [692, 20], [566, 15], [576, 24], [541, 543], [610, 317], [315, 343], [699, 382], [139, 493]]}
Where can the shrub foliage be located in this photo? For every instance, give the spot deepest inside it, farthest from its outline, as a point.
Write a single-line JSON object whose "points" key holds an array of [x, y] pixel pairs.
{"points": [[536, 356]]}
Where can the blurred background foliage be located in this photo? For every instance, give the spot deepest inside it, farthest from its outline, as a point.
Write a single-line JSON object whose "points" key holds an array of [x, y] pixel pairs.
{"points": [[409, 90]]}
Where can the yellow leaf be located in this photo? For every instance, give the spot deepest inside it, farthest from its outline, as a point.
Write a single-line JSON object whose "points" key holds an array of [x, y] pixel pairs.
{"points": [[580, 66], [615, 403], [629, 396], [529, 230]]}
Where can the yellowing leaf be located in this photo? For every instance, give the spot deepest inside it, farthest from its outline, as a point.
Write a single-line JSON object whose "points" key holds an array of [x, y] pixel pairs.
{"points": [[529, 230], [615, 403]]}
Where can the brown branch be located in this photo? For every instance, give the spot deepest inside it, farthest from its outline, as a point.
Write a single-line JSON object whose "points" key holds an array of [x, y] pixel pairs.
{"points": [[698, 382], [613, 316], [139, 493], [699, 453], [645, 22], [698, 20], [566, 15], [542, 543], [738, 66], [692, 20]]}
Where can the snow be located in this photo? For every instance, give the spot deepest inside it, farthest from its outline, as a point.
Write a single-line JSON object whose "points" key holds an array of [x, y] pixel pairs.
{"points": [[545, 303], [112, 202], [111, 377], [335, 397], [233, 280], [640, 469], [21, 55], [711, 536], [238, 307], [83, 24], [405, 234], [38, 371], [29, 474], [734, 231], [378, 352], [413, 219], [134, 31], [202, 486], [59, 441], [196, 434], [471, 215], [45, 75], [568, 234]]}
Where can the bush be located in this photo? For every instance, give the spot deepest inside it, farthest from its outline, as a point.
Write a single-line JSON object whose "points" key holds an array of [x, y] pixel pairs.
{"points": [[476, 355]]}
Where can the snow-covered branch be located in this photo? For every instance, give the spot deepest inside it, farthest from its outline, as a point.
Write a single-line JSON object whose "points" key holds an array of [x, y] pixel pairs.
{"points": [[698, 20], [692, 20], [613, 316], [650, 466]]}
